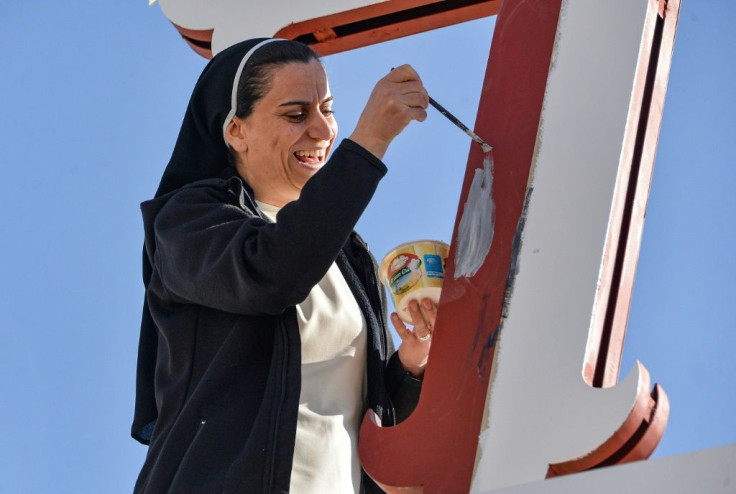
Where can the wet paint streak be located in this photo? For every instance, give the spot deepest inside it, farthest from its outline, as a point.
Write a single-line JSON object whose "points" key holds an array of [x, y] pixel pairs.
{"points": [[481, 336], [481, 317], [514, 267], [475, 231], [487, 352], [488, 347]]}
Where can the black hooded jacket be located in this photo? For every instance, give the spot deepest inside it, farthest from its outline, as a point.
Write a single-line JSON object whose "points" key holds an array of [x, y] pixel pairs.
{"points": [[222, 291]]}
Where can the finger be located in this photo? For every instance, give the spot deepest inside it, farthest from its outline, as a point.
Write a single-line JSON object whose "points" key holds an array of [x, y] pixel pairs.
{"points": [[421, 329], [429, 312], [413, 94], [418, 114], [406, 87], [400, 327], [416, 100], [403, 73]]}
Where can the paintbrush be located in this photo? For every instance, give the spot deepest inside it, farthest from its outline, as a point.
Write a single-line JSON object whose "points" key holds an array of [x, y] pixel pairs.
{"points": [[452, 118]]}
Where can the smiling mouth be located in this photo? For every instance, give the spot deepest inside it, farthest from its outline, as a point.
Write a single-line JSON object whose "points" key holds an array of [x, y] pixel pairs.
{"points": [[311, 157]]}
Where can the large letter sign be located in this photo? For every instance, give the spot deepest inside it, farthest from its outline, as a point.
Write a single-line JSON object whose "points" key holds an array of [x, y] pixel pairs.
{"points": [[573, 112]]}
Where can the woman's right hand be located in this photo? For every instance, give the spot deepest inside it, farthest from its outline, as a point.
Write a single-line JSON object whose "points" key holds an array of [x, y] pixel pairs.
{"points": [[396, 100]]}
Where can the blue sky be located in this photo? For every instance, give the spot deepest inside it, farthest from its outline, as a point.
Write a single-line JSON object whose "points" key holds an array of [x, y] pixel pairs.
{"points": [[92, 95]]}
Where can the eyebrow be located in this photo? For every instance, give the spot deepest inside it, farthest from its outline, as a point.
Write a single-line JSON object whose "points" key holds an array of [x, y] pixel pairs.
{"points": [[306, 103]]}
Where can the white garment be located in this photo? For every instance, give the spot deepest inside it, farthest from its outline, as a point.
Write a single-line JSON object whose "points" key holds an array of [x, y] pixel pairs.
{"points": [[333, 344]]}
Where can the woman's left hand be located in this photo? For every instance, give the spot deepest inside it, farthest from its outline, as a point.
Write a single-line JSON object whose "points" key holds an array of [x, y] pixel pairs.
{"points": [[415, 343]]}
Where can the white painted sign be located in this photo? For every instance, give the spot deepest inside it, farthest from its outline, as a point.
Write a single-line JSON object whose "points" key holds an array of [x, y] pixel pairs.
{"points": [[540, 410]]}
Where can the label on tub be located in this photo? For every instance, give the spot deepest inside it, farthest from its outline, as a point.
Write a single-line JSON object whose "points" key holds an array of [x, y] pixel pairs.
{"points": [[413, 271], [404, 272], [433, 266]]}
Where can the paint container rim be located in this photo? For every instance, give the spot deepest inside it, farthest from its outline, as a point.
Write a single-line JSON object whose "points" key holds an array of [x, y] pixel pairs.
{"points": [[406, 244]]}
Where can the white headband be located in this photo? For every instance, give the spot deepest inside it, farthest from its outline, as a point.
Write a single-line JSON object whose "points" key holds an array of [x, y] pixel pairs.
{"points": [[234, 94]]}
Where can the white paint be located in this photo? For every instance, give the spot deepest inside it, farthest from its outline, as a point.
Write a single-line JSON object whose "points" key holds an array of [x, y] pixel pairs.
{"points": [[475, 231], [236, 20], [539, 409], [711, 471]]}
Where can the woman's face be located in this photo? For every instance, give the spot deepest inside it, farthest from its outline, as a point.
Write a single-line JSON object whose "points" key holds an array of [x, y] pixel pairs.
{"points": [[289, 134]]}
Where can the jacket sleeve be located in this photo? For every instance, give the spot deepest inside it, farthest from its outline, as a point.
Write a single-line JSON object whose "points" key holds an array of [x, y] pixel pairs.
{"points": [[211, 251], [403, 388]]}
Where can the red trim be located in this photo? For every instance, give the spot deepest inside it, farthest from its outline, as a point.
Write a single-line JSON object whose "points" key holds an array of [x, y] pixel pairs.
{"points": [[199, 40], [436, 446], [605, 346], [325, 29], [635, 440], [397, 16], [657, 423]]}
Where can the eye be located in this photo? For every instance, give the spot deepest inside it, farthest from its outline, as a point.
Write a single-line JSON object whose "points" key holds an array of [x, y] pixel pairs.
{"points": [[328, 112], [297, 116]]}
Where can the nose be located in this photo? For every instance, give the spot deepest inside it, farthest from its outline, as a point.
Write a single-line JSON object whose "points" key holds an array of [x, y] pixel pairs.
{"points": [[322, 127]]}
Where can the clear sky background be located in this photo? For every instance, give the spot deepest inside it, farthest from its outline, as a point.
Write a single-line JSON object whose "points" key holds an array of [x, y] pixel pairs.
{"points": [[91, 98]]}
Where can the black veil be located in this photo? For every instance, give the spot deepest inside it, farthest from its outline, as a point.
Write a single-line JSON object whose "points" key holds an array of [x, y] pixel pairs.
{"points": [[200, 153]]}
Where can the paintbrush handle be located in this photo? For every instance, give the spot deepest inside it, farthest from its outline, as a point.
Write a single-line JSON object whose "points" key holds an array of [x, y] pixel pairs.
{"points": [[452, 118]]}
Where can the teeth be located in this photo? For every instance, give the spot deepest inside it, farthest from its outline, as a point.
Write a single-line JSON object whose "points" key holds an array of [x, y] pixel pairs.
{"points": [[312, 153]]}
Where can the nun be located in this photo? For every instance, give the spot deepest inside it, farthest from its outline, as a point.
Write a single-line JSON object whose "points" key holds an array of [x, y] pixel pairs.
{"points": [[264, 336]]}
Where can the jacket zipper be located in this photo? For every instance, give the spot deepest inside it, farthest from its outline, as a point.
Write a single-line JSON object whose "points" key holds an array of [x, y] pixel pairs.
{"points": [[375, 286], [374, 283], [277, 413]]}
